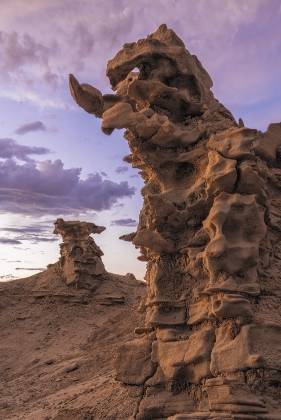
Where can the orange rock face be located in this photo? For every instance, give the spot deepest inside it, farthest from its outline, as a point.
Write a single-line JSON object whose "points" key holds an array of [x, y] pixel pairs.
{"points": [[210, 233]]}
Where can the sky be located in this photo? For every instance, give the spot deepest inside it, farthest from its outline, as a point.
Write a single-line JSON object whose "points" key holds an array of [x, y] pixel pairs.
{"points": [[54, 159]]}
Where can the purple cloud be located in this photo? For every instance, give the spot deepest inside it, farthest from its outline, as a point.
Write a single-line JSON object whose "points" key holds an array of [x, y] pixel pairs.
{"points": [[31, 127], [47, 187], [9, 148], [35, 239], [33, 233], [20, 51], [124, 222], [232, 40], [121, 169], [7, 241], [27, 229], [84, 40]]}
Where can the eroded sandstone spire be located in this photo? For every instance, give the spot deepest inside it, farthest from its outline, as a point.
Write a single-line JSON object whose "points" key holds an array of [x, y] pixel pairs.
{"points": [[210, 233], [80, 260]]}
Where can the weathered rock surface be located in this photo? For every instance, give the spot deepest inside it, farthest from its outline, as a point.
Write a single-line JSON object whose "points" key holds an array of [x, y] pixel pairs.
{"points": [[209, 231], [80, 260]]}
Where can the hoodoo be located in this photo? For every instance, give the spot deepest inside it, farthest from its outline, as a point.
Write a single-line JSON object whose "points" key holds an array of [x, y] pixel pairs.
{"points": [[210, 233], [80, 260]]}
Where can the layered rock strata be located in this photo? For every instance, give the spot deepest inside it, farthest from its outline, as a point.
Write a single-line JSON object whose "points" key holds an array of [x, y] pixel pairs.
{"points": [[210, 232], [80, 260]]}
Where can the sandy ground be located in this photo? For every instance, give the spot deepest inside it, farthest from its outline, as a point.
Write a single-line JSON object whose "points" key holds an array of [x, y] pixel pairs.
{"points": [[58, 346]]}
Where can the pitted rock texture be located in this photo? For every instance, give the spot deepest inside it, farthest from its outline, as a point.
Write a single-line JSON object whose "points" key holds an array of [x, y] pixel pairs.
{"points": [[80, 261], [210, 232]]}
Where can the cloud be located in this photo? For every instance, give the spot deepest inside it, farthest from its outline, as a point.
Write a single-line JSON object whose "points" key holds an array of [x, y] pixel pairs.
{"points": [[34, 234], [9, 148], [237, 42], [30, 269], [121, 169], [124, 222], [36, 239], [48, 188], [31, 127], [83, 40], [25, 229], [27, 71], [7, 241], [34, 56], [20, 52]]}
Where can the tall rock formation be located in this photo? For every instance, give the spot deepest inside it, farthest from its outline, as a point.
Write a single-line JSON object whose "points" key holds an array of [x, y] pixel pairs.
{"points": [[80, 261], [210, 233]]}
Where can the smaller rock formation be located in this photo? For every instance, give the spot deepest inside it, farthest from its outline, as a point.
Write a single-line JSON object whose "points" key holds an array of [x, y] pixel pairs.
{"points": [[80, 261]]}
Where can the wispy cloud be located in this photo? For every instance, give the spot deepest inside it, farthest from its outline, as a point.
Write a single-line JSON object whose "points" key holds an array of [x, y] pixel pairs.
{"points": [[22, 51], [121, 169], [26, 69], [36, 59], [7, 241], [124, 222], [31, 127], [36, 239], [26, 229], [9, 148]]}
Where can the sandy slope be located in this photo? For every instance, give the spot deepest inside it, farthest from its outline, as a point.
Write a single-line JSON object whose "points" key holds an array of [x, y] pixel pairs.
{"points": [[58, 344]]}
